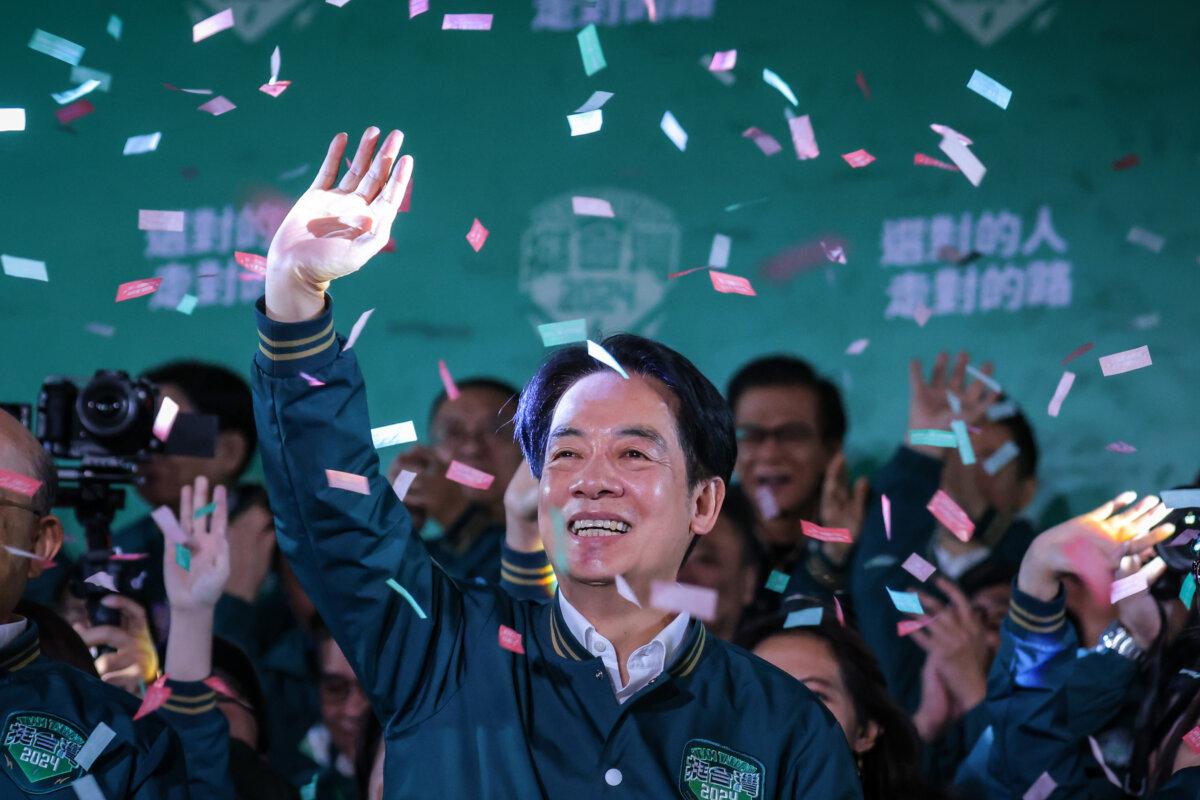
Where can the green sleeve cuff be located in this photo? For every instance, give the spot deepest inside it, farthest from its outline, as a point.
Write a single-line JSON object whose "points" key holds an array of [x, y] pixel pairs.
{"points": [[532, 572], [285, 349], [190, 697], [1038, 616]]}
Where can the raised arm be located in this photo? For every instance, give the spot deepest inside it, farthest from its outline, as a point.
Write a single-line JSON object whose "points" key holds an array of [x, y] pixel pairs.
{"points": [[400, 621]]}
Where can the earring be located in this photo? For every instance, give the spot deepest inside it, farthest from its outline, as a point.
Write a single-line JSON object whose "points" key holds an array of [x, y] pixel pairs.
{"points": [[858, 759]]}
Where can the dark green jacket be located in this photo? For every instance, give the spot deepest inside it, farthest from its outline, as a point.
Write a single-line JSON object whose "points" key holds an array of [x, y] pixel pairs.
{"points": [[48, 709], [464, 717]]}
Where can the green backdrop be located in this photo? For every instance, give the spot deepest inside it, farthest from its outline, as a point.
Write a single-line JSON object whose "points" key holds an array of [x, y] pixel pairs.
{"points": [[484, 115]]}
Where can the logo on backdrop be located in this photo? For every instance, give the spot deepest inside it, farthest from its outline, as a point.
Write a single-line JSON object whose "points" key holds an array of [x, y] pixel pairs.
{"points": [[199, 261], [253, 19], [571, 15], [988, 20], [611, 271], [1027, 269]]}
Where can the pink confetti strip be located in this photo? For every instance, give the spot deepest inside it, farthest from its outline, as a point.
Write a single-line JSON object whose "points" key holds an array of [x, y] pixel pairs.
{"points": [[626, 591], [1125, 361], [467, 22], [803, 138], [837, 608], [765, 141], [858, 159], [165, 519], [417, 7], [157, 693], [1126, 162], [951, 515], [887, 515], [683, 598], [217, 106], [347, 481], [21, 484], [165, 419], [160, 220], [918, 567], [726, 283], [1060, 394], [218, 22], [814, 531], [477, 235], [857, 346], [138, 288], [46, 563], [219, 686], [906, 626], [101, 579], [510, 640], [275, 89], [1042, 788], [922, 160], [357, 330], [447, 380], [723, 61], [469, 476], [591, 207], [68, 114], [921, 315], [1192, 739], [1127, 587], [310, 380], [972, 168], [946, 130], [1120, 447], [403, 483], [128, 556], [251, 261], [767, 505], [835, 253], [861, 80], [1077, 352]]}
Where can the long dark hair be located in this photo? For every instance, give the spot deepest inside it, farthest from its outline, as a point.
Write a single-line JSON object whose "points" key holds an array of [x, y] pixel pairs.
{"points": [[1171, 706], [891, 769]]}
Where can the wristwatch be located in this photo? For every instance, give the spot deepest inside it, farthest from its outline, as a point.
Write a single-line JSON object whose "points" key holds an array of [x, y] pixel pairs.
{"points": [[1118, 640]]}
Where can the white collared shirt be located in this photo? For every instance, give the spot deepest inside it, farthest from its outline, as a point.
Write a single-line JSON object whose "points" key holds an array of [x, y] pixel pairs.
{"points": [[10, 631], [644, 664]]}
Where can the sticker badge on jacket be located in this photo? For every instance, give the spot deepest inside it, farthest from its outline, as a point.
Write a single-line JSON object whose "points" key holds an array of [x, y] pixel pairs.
{"points": [[39, 750], [713, 772]]}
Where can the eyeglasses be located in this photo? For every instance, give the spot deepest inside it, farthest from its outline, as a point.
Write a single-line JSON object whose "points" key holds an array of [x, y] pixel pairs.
{"points": [[789, 435], [22, 506]]}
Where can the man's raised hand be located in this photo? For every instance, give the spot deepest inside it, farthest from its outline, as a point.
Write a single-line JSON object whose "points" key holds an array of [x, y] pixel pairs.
{"points": [[336, 226]]}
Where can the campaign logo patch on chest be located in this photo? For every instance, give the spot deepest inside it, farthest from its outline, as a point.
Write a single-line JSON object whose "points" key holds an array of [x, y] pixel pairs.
{"points": [[714, 772], [39, 750]]}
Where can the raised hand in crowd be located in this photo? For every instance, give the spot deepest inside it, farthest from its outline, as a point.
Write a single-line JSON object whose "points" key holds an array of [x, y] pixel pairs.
{"points": [[251, 542], [431, 495], [842, 505], [929, 404], [131, 659], [194, 582], [521, 511]]}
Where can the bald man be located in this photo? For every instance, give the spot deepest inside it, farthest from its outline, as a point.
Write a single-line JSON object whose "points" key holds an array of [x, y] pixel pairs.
{"points": [[48, 710]]}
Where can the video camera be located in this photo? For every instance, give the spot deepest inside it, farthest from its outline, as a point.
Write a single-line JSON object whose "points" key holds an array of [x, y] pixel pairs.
{"points": [[99, 431], [1181, 551]]}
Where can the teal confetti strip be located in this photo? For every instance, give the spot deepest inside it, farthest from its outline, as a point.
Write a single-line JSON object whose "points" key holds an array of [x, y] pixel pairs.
{"points": [[187, 304], [955, 403], [908, 602], [114, 27], [56, 47], [999, 411], [778, 581], [990, 89], [984, 378], [205, 511], [965, 451], [561, 561], [589, 49], [1180, 498], [999, 459], [400, 590], [804, 617], [1187, 592], [183, 557], [556, 333], [932, 437]]}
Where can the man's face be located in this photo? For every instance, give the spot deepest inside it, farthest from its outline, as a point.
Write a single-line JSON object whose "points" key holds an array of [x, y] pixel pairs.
{"points": [[18, 528], [166, 475], [614, 458], [344, 705], [780, 446], [1005, 491], [717, 562], [476, 429]]}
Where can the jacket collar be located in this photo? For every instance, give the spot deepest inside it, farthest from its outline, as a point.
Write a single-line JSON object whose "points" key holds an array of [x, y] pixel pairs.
{"points": [[21, 651]]}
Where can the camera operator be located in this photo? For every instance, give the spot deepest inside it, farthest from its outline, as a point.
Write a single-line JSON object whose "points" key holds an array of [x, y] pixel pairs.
{"points": [[51, 710]]}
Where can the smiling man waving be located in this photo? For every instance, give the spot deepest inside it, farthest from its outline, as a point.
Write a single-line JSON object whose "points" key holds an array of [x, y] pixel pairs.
{"points": [[480, 695]]}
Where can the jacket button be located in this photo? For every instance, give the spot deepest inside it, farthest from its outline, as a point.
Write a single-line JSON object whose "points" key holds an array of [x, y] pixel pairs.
{"points": [[613, 777]]}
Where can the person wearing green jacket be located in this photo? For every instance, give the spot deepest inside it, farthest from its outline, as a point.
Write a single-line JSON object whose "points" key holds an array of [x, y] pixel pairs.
{"points": [[481, 695]]}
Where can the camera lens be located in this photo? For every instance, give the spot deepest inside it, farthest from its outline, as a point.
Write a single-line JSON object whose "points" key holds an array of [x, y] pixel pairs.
{"points": [[108, 406]]}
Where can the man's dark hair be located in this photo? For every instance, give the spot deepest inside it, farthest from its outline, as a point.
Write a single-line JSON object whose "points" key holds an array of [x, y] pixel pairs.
{"points": [[500, 387], [59, 641], [231, 664], [703, 419], [215, 390], [1022, 436], [785, 370]]}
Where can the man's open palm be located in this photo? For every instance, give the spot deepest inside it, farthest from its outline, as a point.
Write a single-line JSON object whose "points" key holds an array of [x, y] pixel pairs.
{"points": [[334, 229]]}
